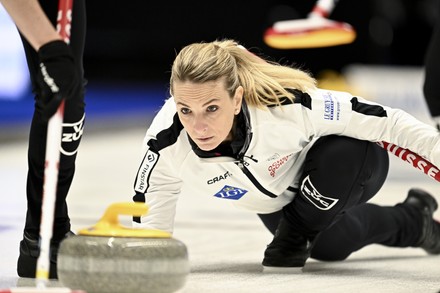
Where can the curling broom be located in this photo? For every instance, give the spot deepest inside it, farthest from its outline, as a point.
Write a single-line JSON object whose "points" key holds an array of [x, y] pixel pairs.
{"points": [[314, 31], [412, 158]]}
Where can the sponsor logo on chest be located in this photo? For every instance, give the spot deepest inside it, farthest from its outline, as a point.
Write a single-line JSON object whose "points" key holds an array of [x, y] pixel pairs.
{"points": [[230, 192], [278, 163], [219, 178]]}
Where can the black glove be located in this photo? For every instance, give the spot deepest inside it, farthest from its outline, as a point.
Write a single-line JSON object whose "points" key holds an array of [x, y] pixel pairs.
{"points": [[58, 76]]}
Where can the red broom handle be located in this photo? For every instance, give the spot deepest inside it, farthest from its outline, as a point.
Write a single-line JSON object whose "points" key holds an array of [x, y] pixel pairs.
{"points": [[53, 143], [412, 158], [64, 19]]}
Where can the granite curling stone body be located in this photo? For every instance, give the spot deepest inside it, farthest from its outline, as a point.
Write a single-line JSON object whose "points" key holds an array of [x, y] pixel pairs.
{"points": [[111, 258]]}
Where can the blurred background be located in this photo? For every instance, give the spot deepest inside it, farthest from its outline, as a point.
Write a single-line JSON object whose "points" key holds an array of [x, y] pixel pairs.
{"points": [[139, 41], [130, 48]]}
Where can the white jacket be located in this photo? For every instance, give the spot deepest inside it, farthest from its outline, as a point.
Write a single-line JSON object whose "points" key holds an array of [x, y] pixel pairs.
{"points": [[264, 175]]}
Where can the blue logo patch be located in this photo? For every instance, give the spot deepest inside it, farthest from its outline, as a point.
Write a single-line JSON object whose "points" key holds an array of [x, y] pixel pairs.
{"points": [[229, 192]]}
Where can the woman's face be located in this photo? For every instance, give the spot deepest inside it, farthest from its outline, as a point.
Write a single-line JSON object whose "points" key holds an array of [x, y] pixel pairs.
{"points": [[207, 111]]}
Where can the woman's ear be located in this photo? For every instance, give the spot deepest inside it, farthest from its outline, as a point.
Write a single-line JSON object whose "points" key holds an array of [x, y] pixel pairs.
{"points": [[238, 98]]}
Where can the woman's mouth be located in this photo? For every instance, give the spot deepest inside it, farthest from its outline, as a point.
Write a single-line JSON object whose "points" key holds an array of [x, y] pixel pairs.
{"points": [[204, 139]]}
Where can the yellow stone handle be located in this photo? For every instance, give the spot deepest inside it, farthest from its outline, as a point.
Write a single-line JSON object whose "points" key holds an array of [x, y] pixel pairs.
{"points": [[109, 224], [111, 215]]}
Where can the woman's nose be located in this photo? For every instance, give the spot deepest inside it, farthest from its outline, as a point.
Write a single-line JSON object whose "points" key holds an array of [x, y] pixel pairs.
{"points": [[199, 124]]}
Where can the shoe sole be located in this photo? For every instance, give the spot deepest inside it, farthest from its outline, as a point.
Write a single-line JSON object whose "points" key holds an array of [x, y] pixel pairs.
{"points": [[282, 270]]}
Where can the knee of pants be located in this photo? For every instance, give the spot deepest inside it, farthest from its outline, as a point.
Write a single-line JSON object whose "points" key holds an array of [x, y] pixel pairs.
{"points": [[347, 169], [335, 162], [339, 172]]}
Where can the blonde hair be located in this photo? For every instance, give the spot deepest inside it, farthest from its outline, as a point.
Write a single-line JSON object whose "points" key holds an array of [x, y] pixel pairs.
{"points": [[264, 82]]}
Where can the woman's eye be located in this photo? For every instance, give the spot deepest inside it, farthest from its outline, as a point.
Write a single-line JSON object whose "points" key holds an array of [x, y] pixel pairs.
{"points": [[185, 110], [212, 108]]}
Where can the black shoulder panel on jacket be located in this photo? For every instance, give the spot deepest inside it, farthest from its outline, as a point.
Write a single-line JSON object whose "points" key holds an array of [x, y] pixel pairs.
{"points": [[300, 98], [303, 98], [367, 109], [167, 136]]}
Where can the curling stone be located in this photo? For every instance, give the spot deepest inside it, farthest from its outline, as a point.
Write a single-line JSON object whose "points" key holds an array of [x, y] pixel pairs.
{"points": [[111, 258]]}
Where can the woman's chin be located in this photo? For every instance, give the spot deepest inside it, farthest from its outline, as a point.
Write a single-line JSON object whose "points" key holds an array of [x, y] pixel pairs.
{"points": [[207, 146]]}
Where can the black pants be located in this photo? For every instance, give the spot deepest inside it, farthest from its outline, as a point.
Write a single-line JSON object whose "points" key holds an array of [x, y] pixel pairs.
{"points": [[340, 175], [72, 129]]}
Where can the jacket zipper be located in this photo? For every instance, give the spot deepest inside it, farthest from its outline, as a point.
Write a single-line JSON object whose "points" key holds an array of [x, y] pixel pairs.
{"points": [[254, 181]]}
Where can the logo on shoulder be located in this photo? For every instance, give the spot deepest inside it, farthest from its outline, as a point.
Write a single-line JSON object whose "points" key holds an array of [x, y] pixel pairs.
{"points": [[230, 192], [331, 107], [321, 202]]}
